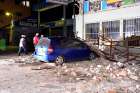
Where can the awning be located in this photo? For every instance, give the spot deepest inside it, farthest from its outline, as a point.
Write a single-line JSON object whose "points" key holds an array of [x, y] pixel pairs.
{"points": [[48, 4]]}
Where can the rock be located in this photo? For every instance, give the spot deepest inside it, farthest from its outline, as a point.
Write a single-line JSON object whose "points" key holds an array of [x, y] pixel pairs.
{"points": [[113, 75], [134, 77], [36, 68], [120, 65], [108, 67], [96, 78], [70, 79], [91, 66], [58, 73], [67, 92], [137, 86], [64, 67], [97, 70], [89, 75], [86, 69], [76, 64], [111, 69], [45, 66], [128, 71], [79, 78], [122, 73], [99, 66], [92, 71], [66, 71], [112, 91], [73, 73]]}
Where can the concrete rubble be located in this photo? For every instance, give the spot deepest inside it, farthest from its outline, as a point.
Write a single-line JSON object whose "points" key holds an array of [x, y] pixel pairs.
{"points": [[102, 75], [98, 76]]}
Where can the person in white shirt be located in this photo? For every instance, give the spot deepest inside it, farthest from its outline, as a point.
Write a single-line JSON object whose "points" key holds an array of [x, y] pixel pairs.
{"points": [[22, 45]]}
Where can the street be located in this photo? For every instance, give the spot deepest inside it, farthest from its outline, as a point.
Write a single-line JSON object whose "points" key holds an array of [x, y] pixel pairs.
{"points": [[15, 78]]}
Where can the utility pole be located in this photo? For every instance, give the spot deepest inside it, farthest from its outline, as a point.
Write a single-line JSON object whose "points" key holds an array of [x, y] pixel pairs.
{"points": [[74, 20], [38, 18], [11, 26], [64, 19], [83, 31], [38, 21]]}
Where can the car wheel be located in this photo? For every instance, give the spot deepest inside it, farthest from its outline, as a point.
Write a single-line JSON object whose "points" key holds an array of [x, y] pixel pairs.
{"points": [[59, 60], [92, 56]]}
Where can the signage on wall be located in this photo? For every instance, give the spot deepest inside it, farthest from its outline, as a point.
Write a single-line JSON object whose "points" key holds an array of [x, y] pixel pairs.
{"points": [[59, 23], [22, 23], [27, 22], [86, 6]]}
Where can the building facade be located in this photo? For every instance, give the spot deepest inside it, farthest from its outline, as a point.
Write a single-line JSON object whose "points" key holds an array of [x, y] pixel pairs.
{"points": [[17, 9], [114, 19], [55, 17], [12, 11]]}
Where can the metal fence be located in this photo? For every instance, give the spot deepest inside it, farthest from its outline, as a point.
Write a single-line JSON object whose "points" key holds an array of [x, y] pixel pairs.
{"points": [[92, 31], [131, 28], [111, 29]]}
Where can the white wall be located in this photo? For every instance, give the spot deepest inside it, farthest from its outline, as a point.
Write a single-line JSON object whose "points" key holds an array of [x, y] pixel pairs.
{"points": [[79, 26], [126, 12]]}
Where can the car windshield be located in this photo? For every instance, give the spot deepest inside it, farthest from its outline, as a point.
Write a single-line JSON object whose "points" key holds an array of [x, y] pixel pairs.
{"points": [[44, 42]]}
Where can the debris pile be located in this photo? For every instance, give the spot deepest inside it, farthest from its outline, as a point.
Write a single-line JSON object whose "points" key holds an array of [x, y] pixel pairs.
{"points": [[96, 76], [119, 76]]}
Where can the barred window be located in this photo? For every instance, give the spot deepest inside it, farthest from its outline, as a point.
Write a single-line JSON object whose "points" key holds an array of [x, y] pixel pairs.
{"points": [[92, 31], [131, 27], [111, 29]]}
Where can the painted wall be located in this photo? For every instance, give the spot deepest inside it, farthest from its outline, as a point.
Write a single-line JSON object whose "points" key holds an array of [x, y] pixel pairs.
{"points": [[125, 12]]}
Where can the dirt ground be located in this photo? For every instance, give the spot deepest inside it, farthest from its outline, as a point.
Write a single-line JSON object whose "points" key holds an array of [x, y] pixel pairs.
{"points": [[24, 74]]}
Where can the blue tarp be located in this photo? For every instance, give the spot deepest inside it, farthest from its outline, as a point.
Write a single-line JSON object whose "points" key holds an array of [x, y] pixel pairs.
{"points": [[86, 6], [103, 5]]}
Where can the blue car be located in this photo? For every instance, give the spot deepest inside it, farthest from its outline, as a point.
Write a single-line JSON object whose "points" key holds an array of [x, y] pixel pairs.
{"points": [[60, 49]]}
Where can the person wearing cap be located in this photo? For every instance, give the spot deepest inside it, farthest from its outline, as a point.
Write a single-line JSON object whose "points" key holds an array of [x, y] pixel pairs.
{"points": [[22, 45]]}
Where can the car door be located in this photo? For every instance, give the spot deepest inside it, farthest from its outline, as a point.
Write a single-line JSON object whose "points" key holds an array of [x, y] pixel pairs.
{"points": [[70, 50], [83, 50], [76, 49]]}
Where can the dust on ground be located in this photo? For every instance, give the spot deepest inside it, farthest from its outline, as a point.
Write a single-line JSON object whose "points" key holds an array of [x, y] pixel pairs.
{"points": [[24, 74]]}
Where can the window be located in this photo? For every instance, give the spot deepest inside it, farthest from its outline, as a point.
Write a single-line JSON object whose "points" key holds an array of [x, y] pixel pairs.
{"points": [[92, 31], [72, 44], [131, 27], [26, 3], [111, 29]]}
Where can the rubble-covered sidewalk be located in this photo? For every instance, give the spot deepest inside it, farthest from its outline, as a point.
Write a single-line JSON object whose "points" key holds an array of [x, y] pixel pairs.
{"points": [[26, 75]]}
